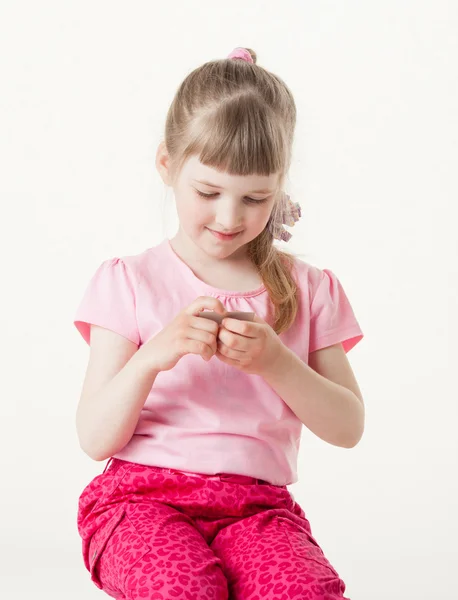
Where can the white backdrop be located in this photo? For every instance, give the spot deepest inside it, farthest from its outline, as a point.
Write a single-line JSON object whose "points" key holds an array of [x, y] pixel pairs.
{"points": [[85, 87]]}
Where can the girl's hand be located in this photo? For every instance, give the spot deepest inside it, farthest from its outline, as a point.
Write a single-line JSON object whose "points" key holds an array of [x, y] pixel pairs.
{"points": [[187, 333], [251, 346]]}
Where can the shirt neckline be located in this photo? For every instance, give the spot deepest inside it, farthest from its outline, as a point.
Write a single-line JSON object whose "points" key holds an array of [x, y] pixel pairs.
{"points": [[205, 286]]}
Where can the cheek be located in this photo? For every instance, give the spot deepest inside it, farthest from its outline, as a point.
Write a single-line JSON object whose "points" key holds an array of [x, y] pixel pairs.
{"points": [[190, 210], [258, 218]]}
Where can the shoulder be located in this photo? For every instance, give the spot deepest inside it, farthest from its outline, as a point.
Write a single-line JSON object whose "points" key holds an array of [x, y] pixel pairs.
{"points": [[136, 266], [309, 276]]}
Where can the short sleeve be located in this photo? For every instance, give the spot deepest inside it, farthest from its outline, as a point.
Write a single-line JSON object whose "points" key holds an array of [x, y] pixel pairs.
{"points": [[109, 301], [332, 319]]}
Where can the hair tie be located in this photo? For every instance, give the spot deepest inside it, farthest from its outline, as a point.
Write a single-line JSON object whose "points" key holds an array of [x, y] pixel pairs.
{"points": [[241, 53], [288, 214]]}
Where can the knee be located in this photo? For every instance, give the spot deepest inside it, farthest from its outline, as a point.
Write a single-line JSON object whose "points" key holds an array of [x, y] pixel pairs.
{"points": [[330, 590], [303, 585], [202, 586], [163, 583]]}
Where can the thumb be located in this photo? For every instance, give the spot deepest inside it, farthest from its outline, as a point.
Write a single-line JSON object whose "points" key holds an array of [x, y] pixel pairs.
{"points": [[257, 319]]}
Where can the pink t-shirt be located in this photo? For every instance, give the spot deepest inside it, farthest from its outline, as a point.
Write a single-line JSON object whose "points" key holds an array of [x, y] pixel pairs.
{"points": [[209, 417]]}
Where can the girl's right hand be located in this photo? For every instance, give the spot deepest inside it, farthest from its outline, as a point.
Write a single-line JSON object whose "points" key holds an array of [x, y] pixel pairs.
{"points": [[186, 334]]}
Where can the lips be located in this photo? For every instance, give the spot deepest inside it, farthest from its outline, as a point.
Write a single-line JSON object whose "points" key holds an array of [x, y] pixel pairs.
{"points": [[223, 236]]}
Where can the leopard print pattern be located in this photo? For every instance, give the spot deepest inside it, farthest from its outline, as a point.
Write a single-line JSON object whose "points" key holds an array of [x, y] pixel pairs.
{"points": [[155, 533]]}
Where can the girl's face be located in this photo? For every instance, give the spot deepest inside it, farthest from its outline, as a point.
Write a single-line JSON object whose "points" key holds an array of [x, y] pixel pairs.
{"points": [[210, 202]]}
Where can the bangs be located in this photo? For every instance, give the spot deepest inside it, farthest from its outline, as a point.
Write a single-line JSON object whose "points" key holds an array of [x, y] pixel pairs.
{"points": [[239, 137]]}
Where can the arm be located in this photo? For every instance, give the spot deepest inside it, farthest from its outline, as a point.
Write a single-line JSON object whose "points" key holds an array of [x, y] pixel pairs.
{"points": [[331, 410], [118, 381]]}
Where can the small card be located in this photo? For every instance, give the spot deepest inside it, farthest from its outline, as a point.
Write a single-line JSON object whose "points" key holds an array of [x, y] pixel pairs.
{"points": [[236, 314]]}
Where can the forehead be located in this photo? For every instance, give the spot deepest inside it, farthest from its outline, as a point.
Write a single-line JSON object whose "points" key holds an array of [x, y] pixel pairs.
{"points": [[194, 169]]}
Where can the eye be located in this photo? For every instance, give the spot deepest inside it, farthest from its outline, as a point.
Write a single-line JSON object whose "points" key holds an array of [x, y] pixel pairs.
{"points": [[250, 200]]}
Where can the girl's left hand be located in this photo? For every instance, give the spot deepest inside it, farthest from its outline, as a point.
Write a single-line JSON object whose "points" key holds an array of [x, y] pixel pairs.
{"points": [[251, 346]]}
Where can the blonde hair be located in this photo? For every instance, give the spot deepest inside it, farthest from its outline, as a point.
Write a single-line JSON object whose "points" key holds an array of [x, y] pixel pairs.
{"points": [[240, 118]]}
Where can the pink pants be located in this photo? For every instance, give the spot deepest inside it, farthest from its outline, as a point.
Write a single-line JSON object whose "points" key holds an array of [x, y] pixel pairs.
{"points": [[157, 533]]}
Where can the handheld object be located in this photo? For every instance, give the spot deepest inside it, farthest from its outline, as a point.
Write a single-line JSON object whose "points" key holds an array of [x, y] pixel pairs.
{"points": [[236, 314]]}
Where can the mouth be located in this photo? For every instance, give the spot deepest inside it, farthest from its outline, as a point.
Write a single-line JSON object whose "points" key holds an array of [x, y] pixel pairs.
{"points": [[224, 236]]}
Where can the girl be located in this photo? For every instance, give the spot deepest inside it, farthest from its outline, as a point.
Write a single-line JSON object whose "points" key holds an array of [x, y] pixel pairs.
{"points": [[201, 418]]}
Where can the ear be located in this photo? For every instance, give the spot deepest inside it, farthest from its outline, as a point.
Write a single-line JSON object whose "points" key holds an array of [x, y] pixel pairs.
{"points": [[162, 163]]}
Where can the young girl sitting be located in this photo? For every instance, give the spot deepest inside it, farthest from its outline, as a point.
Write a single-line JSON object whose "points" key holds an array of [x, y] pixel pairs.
{"points": [[208, 353]]}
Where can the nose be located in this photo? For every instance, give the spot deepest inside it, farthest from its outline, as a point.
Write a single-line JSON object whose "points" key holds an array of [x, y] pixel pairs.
{"points": [[228, 215]]}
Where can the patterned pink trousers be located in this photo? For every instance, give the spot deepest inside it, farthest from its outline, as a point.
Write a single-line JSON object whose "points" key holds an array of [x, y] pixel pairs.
{"points": [[161, 534]]}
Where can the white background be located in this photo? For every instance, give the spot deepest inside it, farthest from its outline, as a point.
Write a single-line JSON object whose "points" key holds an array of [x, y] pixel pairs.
{"points": [[85, 87]]}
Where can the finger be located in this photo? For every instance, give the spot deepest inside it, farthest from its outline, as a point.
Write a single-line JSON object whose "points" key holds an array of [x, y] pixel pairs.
{"points": [[200, 335], [237, 364], [199, 348], [205, 302], [233, 340], [230, 352], [205, 324], [245, 328]]}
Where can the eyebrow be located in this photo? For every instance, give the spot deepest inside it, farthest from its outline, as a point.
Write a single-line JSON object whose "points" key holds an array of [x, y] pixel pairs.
{"points": [[219, 187]]}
